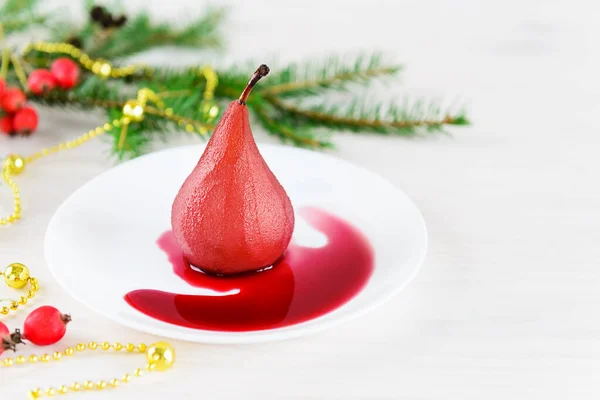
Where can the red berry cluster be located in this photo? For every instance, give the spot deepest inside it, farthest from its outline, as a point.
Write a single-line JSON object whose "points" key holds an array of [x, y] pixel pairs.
{"points": [[63, 73], [19, 119], [43, 326]]}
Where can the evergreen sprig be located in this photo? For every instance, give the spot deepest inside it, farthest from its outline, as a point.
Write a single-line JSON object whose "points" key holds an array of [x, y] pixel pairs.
{"points": [[311, 78], [288, 104], [20, 15]]}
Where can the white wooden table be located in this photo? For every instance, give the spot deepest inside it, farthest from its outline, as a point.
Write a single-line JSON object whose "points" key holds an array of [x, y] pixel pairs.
{"points": [[506, 305]]}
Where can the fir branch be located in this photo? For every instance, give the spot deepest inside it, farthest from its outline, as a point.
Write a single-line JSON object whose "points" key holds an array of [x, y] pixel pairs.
{"points": [[286, 131], [333, 73], [371, 117], [140, 34], [18, 7], [20, 15]]}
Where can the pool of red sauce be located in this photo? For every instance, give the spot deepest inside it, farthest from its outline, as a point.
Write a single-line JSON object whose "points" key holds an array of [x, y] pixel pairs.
{"points": [[304, 284]]}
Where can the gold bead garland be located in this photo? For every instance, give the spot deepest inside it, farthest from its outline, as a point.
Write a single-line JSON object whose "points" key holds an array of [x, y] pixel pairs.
{"points": [[160, 356], [15, 164], [99, 66], [209, 107], [17, 276]]}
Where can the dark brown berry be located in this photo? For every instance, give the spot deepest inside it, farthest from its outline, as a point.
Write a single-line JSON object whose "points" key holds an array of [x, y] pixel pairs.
{"points": [[120, 21], [97, 13], [106, 21]]}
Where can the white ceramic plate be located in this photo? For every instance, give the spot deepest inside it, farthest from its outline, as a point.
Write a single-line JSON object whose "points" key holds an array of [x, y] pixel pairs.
{"points": [[115, 220]]}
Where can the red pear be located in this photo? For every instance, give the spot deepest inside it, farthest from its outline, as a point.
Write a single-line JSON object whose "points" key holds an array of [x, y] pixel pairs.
{"points": [[232, 215]]}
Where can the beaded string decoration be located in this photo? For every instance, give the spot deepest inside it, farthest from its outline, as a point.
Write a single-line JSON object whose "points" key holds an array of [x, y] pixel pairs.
{"points": [[160, 356]]}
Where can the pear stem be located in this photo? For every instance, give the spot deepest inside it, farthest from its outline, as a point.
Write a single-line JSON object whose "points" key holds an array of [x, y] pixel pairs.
{"points": [[261, 72]]}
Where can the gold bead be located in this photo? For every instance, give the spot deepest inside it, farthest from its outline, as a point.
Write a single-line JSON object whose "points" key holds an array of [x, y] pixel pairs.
{"points": [[75, 386], [88, 385], [62, 389], [130, 347], [101, 385], [44, 358], [57, 355], [8, 362], [117, 346], [34, 394], [161, 355], [16, 275], [126, 378], [33, 359], [4, 311], [102, 68], [133, 110], [29, 294], [14, 164], [105, 345], [35, 287], [92, 345], [23, 300], [14, 305], [33, 281], [138, 372], [50, 392], [69, 351], [80, 347], [114, 382], [21, 360], [209, 110]]}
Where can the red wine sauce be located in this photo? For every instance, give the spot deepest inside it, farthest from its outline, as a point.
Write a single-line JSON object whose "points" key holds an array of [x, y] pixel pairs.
{"points": [[304, 284]]}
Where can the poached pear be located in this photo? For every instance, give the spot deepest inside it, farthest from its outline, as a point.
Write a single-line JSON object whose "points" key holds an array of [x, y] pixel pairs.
{"points": [[232, 215]]}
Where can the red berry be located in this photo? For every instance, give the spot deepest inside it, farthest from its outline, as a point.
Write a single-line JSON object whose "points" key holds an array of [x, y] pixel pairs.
{"points": [[66, 72], [41, 81], [25, 121], [45, 326], [12, 100], [2, 86], [4, 335], [6, 342], [7, 124]]}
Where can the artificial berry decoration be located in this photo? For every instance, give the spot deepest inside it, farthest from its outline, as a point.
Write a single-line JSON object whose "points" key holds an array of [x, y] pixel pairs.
{"points": [[4, 335], [7, 124], [45, 326], [2, 86], [12, 100], [25, 121], [66, 72], [41, 81]]}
